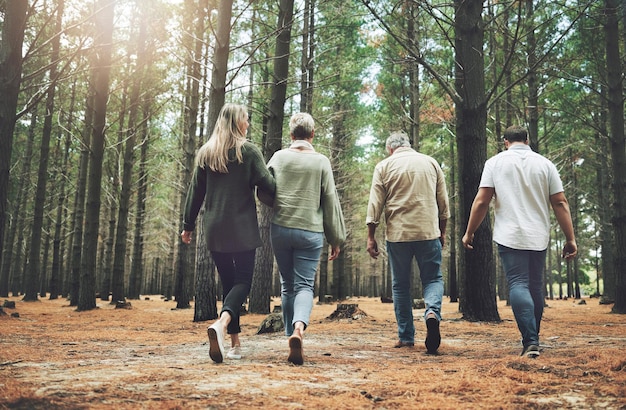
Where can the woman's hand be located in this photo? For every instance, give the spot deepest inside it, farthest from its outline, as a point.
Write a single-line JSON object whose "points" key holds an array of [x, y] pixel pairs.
{"points": [[186, 236]]}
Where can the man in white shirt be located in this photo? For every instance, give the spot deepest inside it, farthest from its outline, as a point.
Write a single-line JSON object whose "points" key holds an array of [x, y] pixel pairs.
{"points": [[525, 186]]}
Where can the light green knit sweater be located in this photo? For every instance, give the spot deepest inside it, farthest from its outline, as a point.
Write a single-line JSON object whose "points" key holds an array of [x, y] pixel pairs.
{"points": [[306, 197]]}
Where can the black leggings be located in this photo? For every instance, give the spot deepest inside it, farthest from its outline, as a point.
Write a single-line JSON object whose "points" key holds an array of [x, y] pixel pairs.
{"points": [[235, 270]]}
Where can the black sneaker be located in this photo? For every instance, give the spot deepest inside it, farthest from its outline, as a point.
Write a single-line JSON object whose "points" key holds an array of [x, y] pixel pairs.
{"points": [[531, 351], [433, 337]]}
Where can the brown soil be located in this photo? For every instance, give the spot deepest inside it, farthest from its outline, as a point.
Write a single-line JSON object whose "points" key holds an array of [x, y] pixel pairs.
{"points": [[155, 357]]}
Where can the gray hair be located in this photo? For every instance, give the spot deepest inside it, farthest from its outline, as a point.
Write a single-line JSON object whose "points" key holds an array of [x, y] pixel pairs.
{"points": [[398, 139], [301, 126]]}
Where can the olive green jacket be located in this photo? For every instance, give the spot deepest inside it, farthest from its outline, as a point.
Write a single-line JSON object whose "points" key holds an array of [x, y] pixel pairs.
{"points": [[230, 217]]}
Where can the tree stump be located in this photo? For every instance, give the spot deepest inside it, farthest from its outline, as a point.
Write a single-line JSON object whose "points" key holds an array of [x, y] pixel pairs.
{"points": [[272, 323], [122, 304], [347, 311]]}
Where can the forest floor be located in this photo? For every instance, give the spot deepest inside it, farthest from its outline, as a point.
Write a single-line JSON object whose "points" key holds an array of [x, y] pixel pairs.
{"points": [[155, 357]]}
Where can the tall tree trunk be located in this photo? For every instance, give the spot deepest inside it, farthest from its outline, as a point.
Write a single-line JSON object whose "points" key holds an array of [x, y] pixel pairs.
{"points": [[118, 290], [339, 146], [604, 207], [57, 253], [103, 44], [618, 147], [185, 259], [81, 192], [261, 282], [34, 261], [10, 79], [308, 54], [13, 251], [453, 287], [533, 86], [478, 290], [137, 266], [205, 307], [106, 284], [414, 78]]}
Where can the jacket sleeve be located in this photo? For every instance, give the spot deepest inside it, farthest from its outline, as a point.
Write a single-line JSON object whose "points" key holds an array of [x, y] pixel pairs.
{"points": [[195, 198], [334, 225], [261, 177]]}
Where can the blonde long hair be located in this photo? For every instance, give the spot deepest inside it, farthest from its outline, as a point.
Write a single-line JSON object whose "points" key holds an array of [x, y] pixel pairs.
{"points": [[227, 134]]}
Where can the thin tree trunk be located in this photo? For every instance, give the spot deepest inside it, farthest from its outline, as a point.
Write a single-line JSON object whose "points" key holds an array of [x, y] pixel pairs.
{"points": [[106, 284], [533, 86], [453, 287], [604, 208], [80, 198], [55, 277], [136, 271], [103, 44], [118, 290], [414, 79]]}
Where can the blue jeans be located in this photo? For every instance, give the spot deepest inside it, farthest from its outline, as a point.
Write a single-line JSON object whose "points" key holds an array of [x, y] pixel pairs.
{"points": [[524, 272], [428, 257], [297, 254], [235, 270]]}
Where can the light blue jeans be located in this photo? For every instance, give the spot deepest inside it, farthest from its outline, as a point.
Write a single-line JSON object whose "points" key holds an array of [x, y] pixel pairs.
{"points": [[524, 272], [297, 254], [428, 257]]}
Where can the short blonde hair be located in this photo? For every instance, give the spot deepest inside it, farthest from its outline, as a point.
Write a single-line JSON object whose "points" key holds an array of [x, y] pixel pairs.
{"points": [[301, 126]]}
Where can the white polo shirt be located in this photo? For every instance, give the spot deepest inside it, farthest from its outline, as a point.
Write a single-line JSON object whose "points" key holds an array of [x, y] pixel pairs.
{"points": [[523, 181]]}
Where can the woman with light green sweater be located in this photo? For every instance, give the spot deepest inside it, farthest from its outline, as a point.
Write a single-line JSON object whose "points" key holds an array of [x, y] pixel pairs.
{"points": [[306, 208]]}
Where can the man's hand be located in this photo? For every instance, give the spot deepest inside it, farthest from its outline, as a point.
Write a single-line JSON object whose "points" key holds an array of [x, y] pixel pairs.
{"points": [[185, 236], [372, 248], [334, 253], [570, 249], [467, 241]]}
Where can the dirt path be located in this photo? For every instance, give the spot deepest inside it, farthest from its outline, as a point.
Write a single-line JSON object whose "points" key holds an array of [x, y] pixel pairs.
{"points": [[154, 357]]}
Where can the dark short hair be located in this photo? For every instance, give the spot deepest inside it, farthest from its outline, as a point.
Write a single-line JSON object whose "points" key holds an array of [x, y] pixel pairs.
{"points": [[516, 133]]}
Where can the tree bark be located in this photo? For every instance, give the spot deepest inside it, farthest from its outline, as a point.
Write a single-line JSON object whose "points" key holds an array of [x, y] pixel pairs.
{"points": [[478, 290], [119, 260], [137, 266], [103, 44], [10, 79], [205, 307], [604, 207], [533, 86], [185, 259], [618, 148], [33, 271], [261, 282]]}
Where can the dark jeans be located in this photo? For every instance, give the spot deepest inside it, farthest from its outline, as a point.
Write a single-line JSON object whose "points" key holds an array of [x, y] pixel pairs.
{"points": [[524, 272], [235, 270]]}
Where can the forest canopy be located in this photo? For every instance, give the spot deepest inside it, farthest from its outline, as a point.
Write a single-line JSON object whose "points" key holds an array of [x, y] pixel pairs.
{"points": [[106, 101]]}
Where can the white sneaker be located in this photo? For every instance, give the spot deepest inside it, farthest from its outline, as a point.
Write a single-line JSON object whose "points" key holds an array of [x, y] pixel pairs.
{"points": [[216, 342], [234, 353]]}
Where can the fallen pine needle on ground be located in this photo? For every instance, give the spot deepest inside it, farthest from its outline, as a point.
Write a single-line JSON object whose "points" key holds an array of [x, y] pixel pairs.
{"points": [[153, 356]]}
